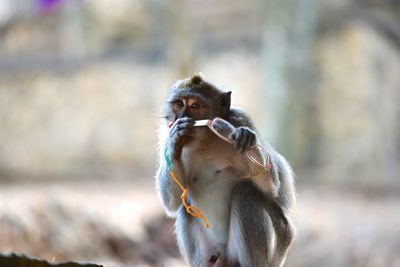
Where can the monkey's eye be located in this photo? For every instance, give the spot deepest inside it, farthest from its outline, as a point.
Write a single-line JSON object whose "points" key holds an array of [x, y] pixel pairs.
{"points": [[178, 103], [195, 106]]}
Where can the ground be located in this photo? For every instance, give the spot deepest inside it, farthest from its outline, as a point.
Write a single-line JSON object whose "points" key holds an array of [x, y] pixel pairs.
{"points": [[122, 223]]}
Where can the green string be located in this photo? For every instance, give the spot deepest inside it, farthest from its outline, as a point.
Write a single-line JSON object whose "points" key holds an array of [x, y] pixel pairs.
{"points": [[169, 164]]}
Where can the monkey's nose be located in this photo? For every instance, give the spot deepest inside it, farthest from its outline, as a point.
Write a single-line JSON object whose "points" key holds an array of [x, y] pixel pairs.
{"points": [[184, 113]]}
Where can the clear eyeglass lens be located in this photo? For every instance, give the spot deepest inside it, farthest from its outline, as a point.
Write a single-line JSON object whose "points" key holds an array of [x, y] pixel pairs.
{"points": [[223, 128], [258, 155]]}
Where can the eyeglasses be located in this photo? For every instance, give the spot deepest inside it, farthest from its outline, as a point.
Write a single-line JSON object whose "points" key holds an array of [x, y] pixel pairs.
{"points": [[224, 130]]}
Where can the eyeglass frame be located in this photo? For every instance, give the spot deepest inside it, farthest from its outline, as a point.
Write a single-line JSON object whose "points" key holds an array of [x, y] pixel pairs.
{"points": [[263, 151]]}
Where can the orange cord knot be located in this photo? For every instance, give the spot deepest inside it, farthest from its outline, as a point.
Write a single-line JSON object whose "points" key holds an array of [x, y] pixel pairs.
{"points": [[195, 212]]}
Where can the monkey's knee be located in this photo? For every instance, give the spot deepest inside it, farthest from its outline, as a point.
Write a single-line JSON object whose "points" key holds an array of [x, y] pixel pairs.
{"points": [[285, 234], [284, 238], [257, 220], [284, 231], [251, 231]]}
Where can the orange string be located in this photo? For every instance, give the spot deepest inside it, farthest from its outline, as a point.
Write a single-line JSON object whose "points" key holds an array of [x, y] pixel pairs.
{"points": [[195, 212]]}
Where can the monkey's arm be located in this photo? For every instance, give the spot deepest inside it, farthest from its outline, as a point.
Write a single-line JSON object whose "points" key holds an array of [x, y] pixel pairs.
{"points": [[282, 177], [170, 150], [238, 117], [247, 137], [168, 191]]}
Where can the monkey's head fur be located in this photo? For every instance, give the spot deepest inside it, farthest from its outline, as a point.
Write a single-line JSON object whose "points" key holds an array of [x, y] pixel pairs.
{"points": [[209, 100]]}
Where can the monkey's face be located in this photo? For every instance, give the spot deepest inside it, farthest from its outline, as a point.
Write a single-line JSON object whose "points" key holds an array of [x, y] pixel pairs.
{"points": [[189, 107], [196, 99]]}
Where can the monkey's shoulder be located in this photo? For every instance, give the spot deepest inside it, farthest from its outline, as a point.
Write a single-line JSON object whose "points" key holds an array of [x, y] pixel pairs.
{"points": [[239, 117]]}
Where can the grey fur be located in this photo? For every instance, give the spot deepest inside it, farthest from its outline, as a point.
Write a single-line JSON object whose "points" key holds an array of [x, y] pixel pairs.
{"points": [[250, 225]]}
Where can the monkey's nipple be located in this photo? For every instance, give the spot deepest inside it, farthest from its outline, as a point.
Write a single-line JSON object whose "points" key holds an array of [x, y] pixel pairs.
{"points": [[213, 258]]}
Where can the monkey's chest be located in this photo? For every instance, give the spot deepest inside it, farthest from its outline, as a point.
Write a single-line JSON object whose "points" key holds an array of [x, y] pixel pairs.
{"points": [[212, 171], [210, 191]]}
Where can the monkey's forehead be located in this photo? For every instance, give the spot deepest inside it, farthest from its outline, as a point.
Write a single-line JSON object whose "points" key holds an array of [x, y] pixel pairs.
{"points": [[194, 87], [188, 94]]}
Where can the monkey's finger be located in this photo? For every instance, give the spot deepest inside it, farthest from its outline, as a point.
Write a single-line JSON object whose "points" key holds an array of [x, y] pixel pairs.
{"points": [[233, 136], [252, 140], [173, 131], [245, 142], [236, 138], [185, 125], [180, 121], [173, 127], [242, 140], [247, 145], [185, 120]]}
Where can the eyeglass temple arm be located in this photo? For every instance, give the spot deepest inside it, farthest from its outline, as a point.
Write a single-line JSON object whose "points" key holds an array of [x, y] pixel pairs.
{"points": [[201, 123]]}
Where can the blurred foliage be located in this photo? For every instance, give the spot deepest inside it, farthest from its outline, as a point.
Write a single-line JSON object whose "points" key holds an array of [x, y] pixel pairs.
{"points": [[23, 261], [81, 82]]}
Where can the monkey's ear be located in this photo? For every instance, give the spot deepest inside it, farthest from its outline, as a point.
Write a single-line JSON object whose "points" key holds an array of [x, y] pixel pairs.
{"points": [[226, 102]]}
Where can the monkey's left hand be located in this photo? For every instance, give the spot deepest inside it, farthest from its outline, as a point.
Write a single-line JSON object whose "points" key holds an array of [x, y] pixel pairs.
{"points": [[244, 139]]}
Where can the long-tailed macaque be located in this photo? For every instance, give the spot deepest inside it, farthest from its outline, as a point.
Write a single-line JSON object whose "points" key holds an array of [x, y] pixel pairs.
{"points": [[250, 219]]}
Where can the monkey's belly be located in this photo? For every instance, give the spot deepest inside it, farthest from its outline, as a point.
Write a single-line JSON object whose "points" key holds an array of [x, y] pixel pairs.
{"points": [[211, 194]]}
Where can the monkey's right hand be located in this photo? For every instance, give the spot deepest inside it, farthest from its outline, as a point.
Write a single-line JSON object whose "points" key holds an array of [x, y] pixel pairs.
{"points": [[180, 133]]}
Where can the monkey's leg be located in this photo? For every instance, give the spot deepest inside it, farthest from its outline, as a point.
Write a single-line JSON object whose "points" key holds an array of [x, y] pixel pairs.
{"points": [[284, 230], [250, 232], [258, 232], [186, 237], [193, 242]]}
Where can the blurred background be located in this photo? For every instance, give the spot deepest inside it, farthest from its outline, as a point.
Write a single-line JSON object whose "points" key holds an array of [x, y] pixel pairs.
{"points": [[82, 82]]}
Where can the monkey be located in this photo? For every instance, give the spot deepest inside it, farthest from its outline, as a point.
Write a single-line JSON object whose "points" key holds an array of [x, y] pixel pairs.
{"points": [[250, 219]]}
